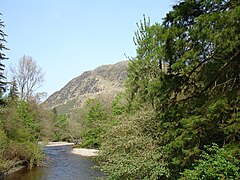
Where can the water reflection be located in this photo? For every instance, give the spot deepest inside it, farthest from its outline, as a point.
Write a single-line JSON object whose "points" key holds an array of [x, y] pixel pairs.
{"points": [[61, 165]]}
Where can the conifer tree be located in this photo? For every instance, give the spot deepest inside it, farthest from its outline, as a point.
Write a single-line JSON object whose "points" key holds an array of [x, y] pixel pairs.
{"points": [[2, 57], [13, 93]]}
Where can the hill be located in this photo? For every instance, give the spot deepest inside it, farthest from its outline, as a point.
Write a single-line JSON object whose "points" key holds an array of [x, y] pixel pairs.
{"points": [[106, 80]]}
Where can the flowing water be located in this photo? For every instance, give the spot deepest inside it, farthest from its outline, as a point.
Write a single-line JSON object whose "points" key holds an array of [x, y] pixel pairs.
{"points": [[61, 165]]}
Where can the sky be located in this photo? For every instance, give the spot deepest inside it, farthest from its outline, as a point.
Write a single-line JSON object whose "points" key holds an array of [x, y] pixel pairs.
{"points": [[69, 37]]}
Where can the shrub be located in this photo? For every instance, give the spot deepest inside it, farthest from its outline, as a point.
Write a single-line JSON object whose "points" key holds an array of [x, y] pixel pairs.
{"points": [[215, 163], [36, 154], [130, 151]]}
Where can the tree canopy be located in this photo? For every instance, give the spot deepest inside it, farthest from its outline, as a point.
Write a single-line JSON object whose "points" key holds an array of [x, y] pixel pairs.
{"points": [[28, 76]]}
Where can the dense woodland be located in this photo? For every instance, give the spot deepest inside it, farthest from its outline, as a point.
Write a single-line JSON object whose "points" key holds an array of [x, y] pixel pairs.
{"points": [[179, 117]]}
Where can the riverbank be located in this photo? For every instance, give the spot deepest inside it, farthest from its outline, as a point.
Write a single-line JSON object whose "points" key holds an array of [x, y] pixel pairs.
{"points": [[14, 168], [78, 151]]}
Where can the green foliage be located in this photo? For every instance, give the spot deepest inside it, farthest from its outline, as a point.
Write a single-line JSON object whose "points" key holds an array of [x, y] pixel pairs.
{"points": [[130, 150], [36, 154], [61, 121], [29, 116], [25, 114], [93, 123], [60, 127], [18, 144], [187, 70], [3, 141], [215, 163], [21, 124], [146, 70], [118, 106]]}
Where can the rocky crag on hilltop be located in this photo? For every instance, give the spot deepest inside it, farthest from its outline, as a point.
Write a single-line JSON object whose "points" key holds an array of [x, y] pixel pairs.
{"points": [[104, 80]]}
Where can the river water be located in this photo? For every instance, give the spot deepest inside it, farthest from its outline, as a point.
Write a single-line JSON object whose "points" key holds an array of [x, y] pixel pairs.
{"points": [[61, 164]]}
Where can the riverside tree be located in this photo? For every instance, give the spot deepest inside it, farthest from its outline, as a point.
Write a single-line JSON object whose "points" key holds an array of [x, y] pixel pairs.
{"points": [[202, 49], [29, 77]]}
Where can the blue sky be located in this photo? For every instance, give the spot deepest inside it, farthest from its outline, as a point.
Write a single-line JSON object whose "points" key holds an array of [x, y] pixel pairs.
{"points": [[68, 37]]}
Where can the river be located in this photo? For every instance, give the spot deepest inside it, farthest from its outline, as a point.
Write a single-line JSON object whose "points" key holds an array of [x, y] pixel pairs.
{"points": [[61, 164]]}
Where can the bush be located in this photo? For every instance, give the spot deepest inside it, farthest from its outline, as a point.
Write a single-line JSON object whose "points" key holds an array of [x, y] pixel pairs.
{"points": [[130, 151], [17, 142], [36, 154], [3, 140], [215, 163]]}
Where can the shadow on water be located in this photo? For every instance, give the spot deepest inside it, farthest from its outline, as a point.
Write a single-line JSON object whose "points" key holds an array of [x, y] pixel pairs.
{"points": [[61, 165]]}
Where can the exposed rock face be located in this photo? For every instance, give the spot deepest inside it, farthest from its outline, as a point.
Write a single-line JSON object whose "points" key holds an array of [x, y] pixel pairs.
{"points": [[106, 79]]}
